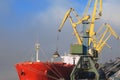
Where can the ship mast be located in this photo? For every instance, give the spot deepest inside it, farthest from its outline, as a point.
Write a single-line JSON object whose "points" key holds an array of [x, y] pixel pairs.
{"points": [[37, 46]]}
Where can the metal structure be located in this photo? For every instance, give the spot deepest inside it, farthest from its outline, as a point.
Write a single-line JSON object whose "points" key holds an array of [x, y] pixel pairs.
{"points": [[87, 66], [112, 69]]}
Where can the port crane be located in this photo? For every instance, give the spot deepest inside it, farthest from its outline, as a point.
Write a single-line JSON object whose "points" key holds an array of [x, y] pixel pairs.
{"points": [[87, 64], [86, 17], [74, 24], [98, 44]]}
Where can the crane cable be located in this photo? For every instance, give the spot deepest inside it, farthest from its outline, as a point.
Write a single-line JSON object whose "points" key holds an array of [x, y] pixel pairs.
{"points": [[57, 42]]}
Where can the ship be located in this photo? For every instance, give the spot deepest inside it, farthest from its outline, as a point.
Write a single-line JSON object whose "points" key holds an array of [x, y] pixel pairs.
{"points": [[44, 71], [81, 63], [37, 70]]}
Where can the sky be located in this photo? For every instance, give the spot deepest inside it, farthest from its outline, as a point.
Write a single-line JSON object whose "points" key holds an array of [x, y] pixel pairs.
{"points": [[24, 22]]}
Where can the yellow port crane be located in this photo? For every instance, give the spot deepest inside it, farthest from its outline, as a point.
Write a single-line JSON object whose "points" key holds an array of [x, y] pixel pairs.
{"points": [[74, 24], [88, 53], [96, 14], [85, 18], [98, 44]]}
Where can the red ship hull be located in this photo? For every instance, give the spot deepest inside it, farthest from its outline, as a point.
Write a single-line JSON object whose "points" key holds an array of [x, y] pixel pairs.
{"points": [[44, 70]]}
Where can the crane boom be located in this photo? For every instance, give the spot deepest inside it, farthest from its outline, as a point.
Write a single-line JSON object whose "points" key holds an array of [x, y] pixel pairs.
{"points": [[104, 37], [88, 53], [112, 31], [87, 7], [98, 45], [65, 18], [100, 10], [74, 24], [91, 29], [94, 17]]}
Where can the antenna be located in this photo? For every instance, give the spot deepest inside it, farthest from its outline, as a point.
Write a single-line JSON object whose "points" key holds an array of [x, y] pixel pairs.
{"points": [[37, 46]]}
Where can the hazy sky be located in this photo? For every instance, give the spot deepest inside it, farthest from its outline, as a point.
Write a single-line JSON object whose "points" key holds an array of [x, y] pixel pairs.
{"points": [[23, 22]]}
